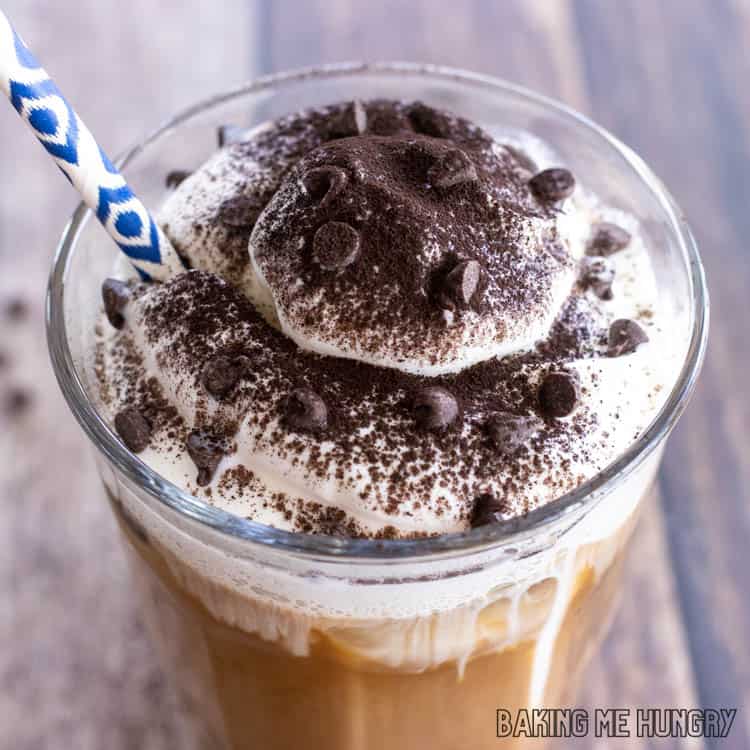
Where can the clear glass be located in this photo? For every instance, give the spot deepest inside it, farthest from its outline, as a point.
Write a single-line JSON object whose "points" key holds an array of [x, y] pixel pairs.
{"points": [[277, 639]]}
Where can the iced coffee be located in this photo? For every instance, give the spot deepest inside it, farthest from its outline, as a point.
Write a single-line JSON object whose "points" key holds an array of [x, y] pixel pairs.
{"points": [[394, 325]]}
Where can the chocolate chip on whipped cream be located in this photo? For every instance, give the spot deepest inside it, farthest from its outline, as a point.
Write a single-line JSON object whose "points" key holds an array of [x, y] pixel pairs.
{"points": [[305, 410], [552, 185], [435, 408], [115, 295], [324, 184], [559, 394], [240, 211], [335, 245], [429, 121], [625, 336], [383, 323], [133, 428], [206, 449], [607, 238], [451, 168], [222, 373], [349, 121], [510, 432]]}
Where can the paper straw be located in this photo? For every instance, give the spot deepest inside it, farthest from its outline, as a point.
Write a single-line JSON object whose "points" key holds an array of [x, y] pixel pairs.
{"points": [[69, 142]]}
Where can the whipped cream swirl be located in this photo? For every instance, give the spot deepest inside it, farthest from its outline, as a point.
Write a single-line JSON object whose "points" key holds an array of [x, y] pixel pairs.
{"points": [[391, 328]]}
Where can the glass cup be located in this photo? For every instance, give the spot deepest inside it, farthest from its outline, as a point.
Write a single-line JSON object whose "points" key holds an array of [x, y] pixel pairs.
{"points": [[282, 640]]}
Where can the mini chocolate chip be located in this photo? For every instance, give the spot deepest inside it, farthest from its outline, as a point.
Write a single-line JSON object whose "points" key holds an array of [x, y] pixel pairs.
{"points": [[428, 121], [17, 401], [335, 245], [625, 336], [509, 432], [306, 411], [434, 408], [229, 134], [552, 185], [558, 394], [451, 168], [116, 295], [607, 239], [352, 120], [133, 428], [176, 177], [241, 211], [222, 373], [206, 450], [487, 509], [461, 284], [522, 158], [16, 309], [324, 184], [598, 274]]}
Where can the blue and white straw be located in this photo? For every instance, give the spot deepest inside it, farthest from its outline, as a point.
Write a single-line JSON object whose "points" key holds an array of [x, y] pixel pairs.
{"points": [[69, 142]]}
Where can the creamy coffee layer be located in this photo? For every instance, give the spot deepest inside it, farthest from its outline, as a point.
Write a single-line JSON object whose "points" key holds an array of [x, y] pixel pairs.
{"points": [[394, 325]]}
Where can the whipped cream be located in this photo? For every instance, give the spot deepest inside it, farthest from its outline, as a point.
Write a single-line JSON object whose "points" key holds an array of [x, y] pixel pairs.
{"points": [[382, 321]]}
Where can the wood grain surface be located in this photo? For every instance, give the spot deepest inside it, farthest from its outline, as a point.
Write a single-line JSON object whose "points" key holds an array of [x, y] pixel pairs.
{"points": [[669, 78]]}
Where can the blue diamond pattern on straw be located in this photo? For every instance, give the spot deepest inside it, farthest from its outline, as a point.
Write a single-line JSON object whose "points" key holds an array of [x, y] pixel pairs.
{"points": [[129, 224], [44, 121]]}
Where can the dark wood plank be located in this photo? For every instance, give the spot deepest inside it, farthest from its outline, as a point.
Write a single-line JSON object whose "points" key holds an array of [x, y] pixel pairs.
{"points": [[681, 104]]}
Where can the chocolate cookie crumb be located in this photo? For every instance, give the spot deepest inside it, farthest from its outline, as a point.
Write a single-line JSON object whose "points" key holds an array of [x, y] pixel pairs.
{"points": [[115, 295], [552, 185], [306, 411], [435, 408], [625, 336], [133, 428], [206, 450], [607, 239], [558, 394], [487, 509]]}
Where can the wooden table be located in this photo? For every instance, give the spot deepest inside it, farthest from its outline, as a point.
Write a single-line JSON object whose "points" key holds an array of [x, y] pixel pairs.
{"points": [[670, 78]]}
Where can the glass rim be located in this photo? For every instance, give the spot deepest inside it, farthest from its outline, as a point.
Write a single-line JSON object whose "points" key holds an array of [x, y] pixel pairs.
{"points": [[511, 532]]}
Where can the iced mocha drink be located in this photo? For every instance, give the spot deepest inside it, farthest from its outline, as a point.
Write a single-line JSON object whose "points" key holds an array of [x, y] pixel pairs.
{"points": [[395, 325]]}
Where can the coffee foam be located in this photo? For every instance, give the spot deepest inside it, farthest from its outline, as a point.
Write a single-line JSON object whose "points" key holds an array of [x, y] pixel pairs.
{"points": [[440, 611]]}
